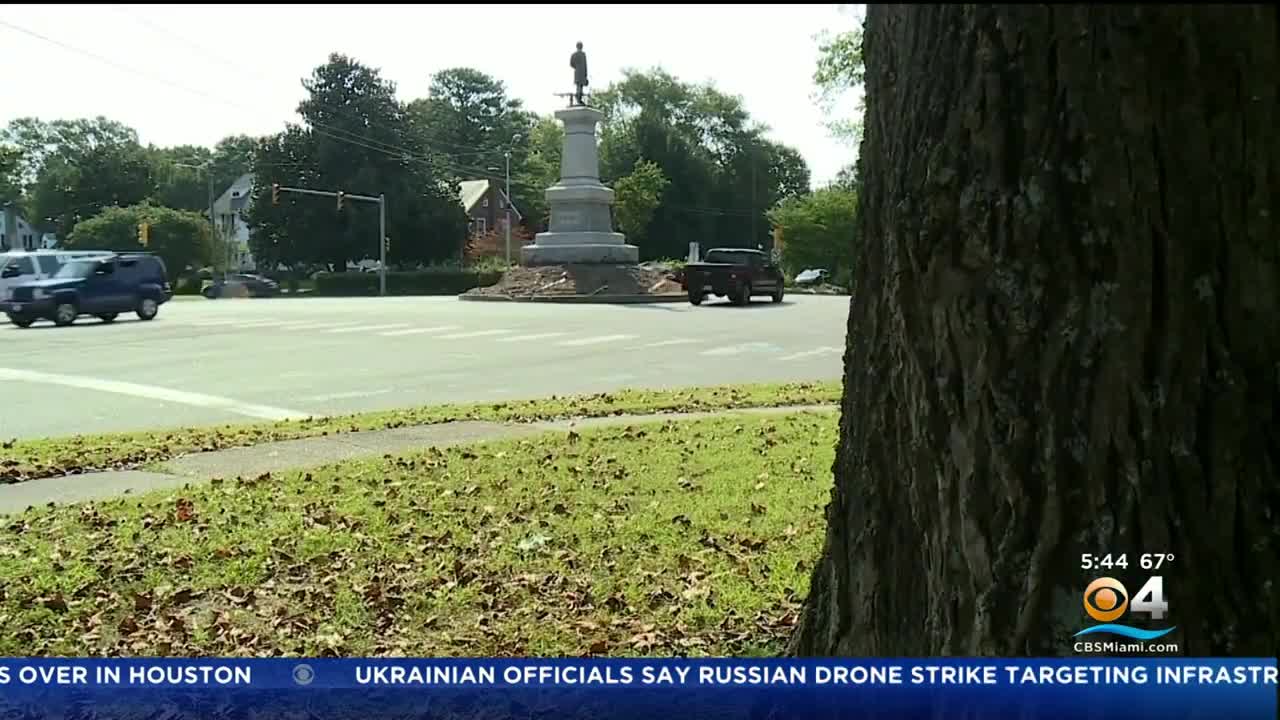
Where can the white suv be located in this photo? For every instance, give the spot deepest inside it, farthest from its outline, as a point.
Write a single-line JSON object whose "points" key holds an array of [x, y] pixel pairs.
{"points": [[18, 267]]}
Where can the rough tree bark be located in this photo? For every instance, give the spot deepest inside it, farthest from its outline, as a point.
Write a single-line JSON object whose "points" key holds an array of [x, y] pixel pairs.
{"points": [[1065, 332]]}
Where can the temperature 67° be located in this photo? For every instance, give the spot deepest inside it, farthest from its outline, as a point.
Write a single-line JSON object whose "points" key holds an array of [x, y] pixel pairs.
{"points": [[1154, 561]]}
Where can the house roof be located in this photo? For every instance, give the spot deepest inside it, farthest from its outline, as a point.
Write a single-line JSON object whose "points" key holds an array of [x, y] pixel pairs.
{"points": [[236, 197], [471, 192]]}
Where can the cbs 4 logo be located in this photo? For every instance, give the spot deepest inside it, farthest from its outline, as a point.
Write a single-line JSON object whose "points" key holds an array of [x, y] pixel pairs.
{"points": [[1106, 600]]}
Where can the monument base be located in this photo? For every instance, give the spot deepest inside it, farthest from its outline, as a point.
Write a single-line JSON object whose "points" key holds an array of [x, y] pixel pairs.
{"points": [[532, 255], [562, 248]]}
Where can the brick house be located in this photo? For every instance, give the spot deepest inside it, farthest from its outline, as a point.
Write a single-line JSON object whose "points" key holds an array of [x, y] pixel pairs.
{"points": [[486, 206]]}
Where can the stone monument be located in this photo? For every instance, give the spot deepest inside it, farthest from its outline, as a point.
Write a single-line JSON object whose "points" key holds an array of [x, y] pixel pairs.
{"points": [[581, 227]]}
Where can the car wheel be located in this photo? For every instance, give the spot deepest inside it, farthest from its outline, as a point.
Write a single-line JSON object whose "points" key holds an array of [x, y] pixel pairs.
{"points": [[743, 296], [209, 293], [777, 294], [65, 314], [695, 298], [147, 309], [22, 321], [108, 317]]}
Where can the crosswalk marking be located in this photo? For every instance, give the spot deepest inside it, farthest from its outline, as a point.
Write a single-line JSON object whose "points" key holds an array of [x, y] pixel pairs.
{"points": [[473, 334], [366, 328], [826, 350], [740, 349], [418, 331], [535, 336], [668, 343], [596, 340], [323, 325]]}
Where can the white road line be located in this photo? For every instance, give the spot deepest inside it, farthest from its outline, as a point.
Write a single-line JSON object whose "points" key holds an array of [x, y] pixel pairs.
{"points": [[596, 340], [346, 395], [472, 334], [669, 343], [816, 351], [324, 325], [367, 328], [419, 331], [152, 392], [740, 349], [266, 323], [535, 336]]}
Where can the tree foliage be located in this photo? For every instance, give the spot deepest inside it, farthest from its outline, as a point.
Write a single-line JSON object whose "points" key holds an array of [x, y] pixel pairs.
{"points": [[839, 71], [74, 168], [182, 239], [468, 118], [723, 174], [539, 170], [637, 196], [818, 231], [356, 137], [10, 174]]}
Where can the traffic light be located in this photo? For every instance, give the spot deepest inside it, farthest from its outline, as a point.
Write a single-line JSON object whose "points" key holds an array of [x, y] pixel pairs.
{"points": [[275, 193], [386, 244], [341, 196], [144, 234]]}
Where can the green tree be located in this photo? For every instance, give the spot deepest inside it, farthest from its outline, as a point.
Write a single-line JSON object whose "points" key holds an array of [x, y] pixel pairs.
{"points": [[179, 237], [231, 158], [1065, 333], [637, 196], [178, 185], [539, 170], [74, 168], [10, 174], [724, 174], [356, 137], [818, 231], [840, 71], [468, 119]]}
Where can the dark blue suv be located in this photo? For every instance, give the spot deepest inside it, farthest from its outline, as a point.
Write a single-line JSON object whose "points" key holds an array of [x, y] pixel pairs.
{"points": [[103, 287]]}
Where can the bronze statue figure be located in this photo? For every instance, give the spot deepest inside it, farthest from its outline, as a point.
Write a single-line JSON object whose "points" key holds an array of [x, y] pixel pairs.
{"points": [[578, 61]]}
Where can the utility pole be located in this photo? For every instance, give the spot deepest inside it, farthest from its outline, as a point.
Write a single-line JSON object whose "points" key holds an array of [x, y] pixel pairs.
{"points": [[205, 167], [343, 197], [506, 204], [382, 246]]}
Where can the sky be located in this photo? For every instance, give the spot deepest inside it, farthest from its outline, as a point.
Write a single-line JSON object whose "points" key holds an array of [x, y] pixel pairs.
{"points": [[193, 74]]}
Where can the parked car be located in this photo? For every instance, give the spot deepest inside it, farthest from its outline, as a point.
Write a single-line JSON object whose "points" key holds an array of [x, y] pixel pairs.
{"points": [[19, 268], [735, 273], [239, 286], [813, 276], [102, 286]]}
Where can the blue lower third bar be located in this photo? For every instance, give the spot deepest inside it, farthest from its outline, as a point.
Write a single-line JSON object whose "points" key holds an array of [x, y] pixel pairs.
{"points": [[641, 688]]}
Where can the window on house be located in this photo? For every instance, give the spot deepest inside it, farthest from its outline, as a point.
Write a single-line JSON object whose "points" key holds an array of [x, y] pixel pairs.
{"points": [[484, 203], [481, 226]]}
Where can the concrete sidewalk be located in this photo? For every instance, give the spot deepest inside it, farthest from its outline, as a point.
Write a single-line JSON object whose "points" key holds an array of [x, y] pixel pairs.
{"points": [[311, 452]]}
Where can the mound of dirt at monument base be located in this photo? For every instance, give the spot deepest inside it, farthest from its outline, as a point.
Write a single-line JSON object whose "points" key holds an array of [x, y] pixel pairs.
{"points": [[596, 281]]}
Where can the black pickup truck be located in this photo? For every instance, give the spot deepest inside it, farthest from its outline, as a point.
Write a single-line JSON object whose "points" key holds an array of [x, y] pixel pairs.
{"points": [[735, 273]]}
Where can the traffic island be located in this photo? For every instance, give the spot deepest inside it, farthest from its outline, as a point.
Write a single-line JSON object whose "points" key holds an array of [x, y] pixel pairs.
{"points": [[584, 283]]}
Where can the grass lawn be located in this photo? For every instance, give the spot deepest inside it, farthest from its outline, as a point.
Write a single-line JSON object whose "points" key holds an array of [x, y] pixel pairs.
{"points": [[688, 538], [31, 459]]}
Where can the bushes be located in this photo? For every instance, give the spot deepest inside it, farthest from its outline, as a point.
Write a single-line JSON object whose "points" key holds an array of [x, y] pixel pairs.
{"points": [[417, 282]]}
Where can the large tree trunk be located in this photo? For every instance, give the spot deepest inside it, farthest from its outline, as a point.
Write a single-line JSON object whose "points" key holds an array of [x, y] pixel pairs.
{"points": [[1065, 334]]}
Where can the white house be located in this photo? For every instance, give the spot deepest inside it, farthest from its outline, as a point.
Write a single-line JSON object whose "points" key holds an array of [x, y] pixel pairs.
{"points": [[17, 234], [228, 215]]}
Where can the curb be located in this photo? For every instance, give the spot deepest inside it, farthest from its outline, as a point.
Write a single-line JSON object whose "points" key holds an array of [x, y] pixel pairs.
{"points": [[579, 299]]}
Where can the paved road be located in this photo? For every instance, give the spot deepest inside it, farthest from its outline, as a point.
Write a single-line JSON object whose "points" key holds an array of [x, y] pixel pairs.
{"points": [[208, 362]]}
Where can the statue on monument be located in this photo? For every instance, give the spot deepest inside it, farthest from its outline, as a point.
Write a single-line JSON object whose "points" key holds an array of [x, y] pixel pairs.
{"points": [[578, 61]]}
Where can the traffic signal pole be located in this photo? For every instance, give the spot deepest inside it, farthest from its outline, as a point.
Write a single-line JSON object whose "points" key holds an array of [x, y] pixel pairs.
{"points": [[381, 200]]}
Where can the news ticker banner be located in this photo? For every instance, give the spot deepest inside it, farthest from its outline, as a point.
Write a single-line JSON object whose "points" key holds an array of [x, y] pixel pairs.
{"points": [[669, 688]]}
